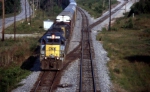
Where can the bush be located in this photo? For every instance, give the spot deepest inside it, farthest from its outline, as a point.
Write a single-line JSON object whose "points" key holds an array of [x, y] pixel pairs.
{"points": [[10, 76], [141, 7], [128, 24], [8, 6]]}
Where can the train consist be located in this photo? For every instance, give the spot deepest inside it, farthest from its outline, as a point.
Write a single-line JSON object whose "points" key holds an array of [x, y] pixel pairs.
{"points": [[53, 44]]}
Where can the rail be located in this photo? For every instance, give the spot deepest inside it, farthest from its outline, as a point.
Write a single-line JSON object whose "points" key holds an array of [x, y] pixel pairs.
{"points": [[86, 57]]}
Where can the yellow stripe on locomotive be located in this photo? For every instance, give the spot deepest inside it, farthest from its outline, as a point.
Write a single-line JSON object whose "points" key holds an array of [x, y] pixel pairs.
{"points": [[52, 51]]}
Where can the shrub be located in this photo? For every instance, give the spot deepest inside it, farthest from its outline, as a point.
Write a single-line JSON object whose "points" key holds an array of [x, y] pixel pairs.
{"points": [[10, 76], [128, 24]]}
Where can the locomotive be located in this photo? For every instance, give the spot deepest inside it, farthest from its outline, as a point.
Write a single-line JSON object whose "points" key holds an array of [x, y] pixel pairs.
{"points": [[54, 43]]}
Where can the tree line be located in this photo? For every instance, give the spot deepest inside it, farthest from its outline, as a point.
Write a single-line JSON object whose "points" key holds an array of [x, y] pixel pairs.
{"points": [[141, 7], [9, 6], [44, 4]]}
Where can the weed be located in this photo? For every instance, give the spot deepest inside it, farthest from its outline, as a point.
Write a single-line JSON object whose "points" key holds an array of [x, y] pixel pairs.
{"points": [[116, 70]]}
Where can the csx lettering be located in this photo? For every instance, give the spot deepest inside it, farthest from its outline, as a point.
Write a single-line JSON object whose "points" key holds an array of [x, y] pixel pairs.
{"points": [[52, 48]]}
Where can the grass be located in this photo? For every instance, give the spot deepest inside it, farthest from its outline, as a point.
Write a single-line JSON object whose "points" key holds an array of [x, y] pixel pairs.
{"points": [[12, 56], [128, 47], [95, 7]]}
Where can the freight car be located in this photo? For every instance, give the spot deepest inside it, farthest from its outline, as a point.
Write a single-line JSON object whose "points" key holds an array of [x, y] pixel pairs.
{"points": [[53, 44]]}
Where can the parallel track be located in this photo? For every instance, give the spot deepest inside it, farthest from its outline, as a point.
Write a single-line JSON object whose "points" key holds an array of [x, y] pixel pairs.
{"points": [[87, 78]]}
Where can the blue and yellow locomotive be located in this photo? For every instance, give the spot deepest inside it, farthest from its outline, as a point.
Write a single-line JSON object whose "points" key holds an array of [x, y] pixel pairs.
{"points": [[53, 47]]}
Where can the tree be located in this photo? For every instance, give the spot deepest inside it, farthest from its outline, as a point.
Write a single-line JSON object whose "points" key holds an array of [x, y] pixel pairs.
{"points": [[8, 6]]}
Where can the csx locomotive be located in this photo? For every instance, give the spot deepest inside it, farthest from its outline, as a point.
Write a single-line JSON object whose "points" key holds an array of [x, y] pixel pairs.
{"points": [[54, 42]]}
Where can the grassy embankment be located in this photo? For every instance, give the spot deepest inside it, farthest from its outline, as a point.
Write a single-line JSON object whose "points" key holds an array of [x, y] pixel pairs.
{"points": [[95, 7], [128, 47], [16, 54], [12, 55]]}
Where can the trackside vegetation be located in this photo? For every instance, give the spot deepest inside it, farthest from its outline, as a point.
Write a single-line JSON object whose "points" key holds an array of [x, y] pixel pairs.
{"points": [[95, 7], [12, 55], [128, 47]]}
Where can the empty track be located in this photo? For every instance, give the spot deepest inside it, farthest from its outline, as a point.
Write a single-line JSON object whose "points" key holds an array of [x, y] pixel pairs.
{"points": [[87, 78]]}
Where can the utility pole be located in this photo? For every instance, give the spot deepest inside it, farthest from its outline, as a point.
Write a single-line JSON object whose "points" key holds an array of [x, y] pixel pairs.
{"points": [[14, 20], [3, 22], [33, 7], [30, 12], [109, 28], [39, 2], [25, 11], [125, 8]]}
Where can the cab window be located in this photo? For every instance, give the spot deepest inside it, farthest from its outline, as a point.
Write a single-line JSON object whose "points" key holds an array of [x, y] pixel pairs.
{"points": [[53, 40], [56, 40]]}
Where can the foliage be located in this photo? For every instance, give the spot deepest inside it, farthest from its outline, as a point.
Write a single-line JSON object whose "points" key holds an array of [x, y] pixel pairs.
{"points": [[12, 55], [16, 51], [141, 7], [9, 6], [10, 76], [128, 24], [95, 7]]}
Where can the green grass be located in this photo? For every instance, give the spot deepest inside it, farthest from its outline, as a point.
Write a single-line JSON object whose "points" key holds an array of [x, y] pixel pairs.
{"points": [[95, 7], [13, 54], [9, 77], [128, 47]]}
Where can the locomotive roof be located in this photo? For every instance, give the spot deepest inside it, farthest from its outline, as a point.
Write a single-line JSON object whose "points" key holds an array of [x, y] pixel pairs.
{"points": [[55, 30], [59, 24]]}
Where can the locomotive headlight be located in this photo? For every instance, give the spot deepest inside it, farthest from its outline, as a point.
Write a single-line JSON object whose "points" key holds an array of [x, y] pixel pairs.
{"points": [[53, 36], [57, 57], [45, 57]]}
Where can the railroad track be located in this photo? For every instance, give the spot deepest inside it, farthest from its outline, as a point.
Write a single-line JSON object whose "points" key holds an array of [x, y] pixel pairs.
{"points": [[45, 81], [87, 78]]}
